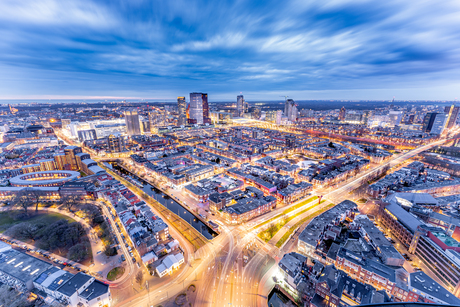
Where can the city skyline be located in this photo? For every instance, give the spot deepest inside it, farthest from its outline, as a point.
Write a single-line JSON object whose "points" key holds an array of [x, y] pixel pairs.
{"points": [[332, 50]]}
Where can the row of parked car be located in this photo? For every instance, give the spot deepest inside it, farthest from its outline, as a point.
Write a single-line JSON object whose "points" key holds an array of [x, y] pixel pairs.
{"points": [[44, 254]]}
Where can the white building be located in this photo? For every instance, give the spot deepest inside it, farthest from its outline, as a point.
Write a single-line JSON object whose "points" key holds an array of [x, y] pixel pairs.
{"points": [[169, 263]]}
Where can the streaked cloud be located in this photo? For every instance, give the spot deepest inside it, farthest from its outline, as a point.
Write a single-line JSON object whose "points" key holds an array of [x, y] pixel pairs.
{"points": [[141, 48]]}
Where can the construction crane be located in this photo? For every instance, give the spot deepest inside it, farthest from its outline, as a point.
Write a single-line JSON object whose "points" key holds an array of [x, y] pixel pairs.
{"points": [[285, 97]]}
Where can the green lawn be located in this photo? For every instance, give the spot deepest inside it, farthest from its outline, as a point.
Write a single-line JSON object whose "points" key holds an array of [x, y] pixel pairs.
{"points": [[115, 273], [6, 221], [270, 232], [287, 211], [297, 225]]}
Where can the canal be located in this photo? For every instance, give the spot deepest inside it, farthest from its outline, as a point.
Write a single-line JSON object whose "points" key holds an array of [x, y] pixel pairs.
{"points": [[171, 204]]}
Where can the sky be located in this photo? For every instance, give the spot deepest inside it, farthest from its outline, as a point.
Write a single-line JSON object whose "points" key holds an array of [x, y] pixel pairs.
{"points": [[161, 49]]}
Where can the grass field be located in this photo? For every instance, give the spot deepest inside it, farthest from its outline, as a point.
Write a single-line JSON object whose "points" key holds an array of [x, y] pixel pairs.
{"points": [[270, 232], [6, 219], [287, 211], [115, 273], [299, 223]]}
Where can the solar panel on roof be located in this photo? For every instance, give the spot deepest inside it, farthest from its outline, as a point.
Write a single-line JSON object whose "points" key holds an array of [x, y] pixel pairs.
{"points": [[41, 278]]}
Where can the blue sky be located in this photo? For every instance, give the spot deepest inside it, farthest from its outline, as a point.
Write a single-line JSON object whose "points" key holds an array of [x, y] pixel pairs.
{"points": [[325, 49]]}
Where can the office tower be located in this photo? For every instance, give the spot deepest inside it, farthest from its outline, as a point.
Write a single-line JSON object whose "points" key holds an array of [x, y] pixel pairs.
{"points": [[182, 109], [439, 123], [240, 105], [452, 111], [145, 125], [84, 135], [279, 116], [199, 109], [157, 118], [428, 121], [395, 118], [70, 157], [256, 112], [270, 116], [115, 144], [290, 110], [206, 118], [132, 122], [342, 113]]}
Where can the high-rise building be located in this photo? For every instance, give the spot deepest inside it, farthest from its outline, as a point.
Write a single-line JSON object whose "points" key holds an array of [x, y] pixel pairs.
{"points": [[270, 116], [290, 110], [256, 112], [115, 144], [240, 105], [145, 125], [199, 108], [70, 156], [428, 121], [452, 111], [286, 107], [206, 117], [157, 118], [182, 109], [439, 123], [342, 113], [132, 122], [279, 116]]}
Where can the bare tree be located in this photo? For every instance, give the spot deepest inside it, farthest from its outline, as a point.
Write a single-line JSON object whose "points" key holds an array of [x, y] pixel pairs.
{"points": [[21, 199], [70, 201], [34, 197], [140, 277]]}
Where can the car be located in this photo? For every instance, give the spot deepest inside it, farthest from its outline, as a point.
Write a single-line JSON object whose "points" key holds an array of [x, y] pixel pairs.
{"points": [[134, 260], [99, 252], [123, 257], [126, 244], [131, 253], [129, 248]]}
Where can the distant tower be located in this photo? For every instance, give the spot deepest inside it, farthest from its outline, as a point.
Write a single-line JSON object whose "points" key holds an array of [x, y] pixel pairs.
{"points": [[181, 106], [342, 113], [291, 110], [452, 112], [240, 105], [279, 116], [132, 122], [199, 108], [439, 123]]}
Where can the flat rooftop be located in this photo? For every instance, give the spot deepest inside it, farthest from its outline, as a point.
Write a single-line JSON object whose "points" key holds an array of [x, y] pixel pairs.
{"points": [[22, 266]]}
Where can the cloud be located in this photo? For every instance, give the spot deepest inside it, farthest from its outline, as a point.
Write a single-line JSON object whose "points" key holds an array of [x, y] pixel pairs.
{"points": [[139, 47]]}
